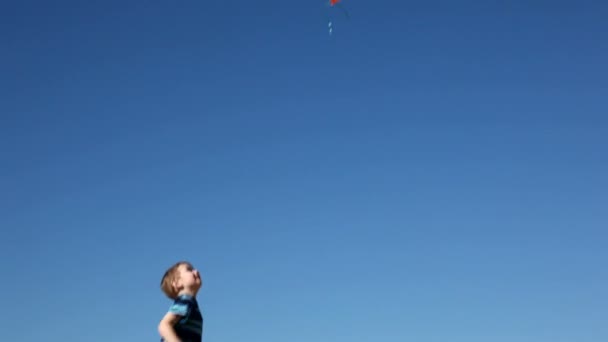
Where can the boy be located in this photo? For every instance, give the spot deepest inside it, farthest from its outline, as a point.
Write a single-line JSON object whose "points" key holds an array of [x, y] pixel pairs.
{"points": [[183, 322]]}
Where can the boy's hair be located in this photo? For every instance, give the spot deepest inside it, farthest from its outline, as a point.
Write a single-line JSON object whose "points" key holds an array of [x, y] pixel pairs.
{"points": [[166, 284]]}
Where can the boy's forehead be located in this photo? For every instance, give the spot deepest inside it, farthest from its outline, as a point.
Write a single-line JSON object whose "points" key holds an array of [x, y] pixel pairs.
{"points": [[184, 266]]}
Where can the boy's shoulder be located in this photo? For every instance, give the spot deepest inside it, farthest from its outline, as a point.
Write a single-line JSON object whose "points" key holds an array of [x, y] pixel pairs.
{"points": [[183, 304]]}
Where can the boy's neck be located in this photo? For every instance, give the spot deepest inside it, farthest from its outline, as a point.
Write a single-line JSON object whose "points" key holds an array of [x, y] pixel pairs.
{"points": [[187, 293]]}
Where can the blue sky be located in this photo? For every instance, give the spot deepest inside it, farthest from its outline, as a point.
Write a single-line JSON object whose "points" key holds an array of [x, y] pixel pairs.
{"points": [[434, 171]]}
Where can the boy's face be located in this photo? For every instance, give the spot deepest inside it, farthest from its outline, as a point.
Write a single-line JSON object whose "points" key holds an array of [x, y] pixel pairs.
{"points": [[188, 277]]}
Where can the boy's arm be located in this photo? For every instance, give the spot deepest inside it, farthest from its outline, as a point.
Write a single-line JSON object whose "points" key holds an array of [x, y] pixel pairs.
{"points": [[165, 327], [176, 312]]}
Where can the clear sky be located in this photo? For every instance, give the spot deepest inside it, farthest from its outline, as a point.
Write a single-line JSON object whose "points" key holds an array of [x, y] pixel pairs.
{"points": [[433, 172]]}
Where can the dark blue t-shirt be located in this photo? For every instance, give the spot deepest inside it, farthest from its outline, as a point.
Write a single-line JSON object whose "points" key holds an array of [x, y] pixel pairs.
{"points": [[190, 327]]}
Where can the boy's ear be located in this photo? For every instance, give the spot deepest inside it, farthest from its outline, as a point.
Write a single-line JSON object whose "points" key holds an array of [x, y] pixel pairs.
{"points": [[176, 285]]}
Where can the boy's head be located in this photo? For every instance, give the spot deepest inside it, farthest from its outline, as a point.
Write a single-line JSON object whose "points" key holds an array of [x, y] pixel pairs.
{"points": [[182, 277]]}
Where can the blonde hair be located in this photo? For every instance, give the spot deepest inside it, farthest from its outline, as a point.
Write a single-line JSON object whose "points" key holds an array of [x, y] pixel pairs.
{"points": [[170, 276]]}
